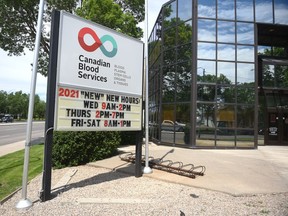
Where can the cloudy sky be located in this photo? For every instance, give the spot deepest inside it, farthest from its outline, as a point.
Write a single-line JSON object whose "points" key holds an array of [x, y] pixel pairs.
{"points": [[16, 72]]}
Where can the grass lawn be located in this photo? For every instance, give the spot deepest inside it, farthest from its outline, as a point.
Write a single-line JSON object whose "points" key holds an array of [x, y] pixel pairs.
{"points": [[11, 169]]}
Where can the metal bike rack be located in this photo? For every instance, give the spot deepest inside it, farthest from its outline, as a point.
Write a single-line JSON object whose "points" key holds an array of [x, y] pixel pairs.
{"points": [[188, 170]]}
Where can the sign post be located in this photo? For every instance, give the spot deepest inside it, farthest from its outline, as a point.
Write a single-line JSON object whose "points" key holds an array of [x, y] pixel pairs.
{"points": [[99, 79]]}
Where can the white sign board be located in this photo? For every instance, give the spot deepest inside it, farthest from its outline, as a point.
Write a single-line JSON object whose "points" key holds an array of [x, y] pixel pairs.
{"points": [[95, 60]]}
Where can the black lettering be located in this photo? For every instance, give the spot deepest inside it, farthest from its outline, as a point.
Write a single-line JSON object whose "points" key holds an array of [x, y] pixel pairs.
{"points": [[90, 104]]}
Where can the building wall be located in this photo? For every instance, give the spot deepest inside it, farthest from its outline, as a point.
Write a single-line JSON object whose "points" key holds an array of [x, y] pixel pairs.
{"points": [[202, 71]]}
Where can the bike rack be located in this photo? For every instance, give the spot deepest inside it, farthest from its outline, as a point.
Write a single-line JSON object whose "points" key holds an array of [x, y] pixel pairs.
{"points": [[188, 170]]}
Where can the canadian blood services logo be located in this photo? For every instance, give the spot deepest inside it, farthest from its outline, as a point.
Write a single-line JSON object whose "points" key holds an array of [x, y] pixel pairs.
{"points": [[98, 43]]}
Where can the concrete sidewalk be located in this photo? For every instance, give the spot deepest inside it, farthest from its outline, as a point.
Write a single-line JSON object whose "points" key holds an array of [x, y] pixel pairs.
{"points": [[12, 147], [236, 172]]}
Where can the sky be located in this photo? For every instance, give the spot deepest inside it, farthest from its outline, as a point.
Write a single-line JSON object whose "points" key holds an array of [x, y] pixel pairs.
{"points": [[16, 72]]}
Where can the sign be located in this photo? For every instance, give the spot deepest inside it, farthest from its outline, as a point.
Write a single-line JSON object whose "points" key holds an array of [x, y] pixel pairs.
{"points": [[99, 78], [90, 110]]}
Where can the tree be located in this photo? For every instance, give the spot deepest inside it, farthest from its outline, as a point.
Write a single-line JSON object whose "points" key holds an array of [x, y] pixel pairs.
{"points": [[16, 104], [18, 22], [3, 102], [40, 107], [122, 16]]}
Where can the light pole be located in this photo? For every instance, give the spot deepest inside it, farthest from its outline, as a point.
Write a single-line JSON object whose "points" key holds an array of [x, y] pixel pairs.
{"points": [[25, 203]]}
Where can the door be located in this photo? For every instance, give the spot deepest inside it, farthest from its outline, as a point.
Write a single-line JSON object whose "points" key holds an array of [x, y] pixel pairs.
{"points": [[277, 130], [273, 83]]}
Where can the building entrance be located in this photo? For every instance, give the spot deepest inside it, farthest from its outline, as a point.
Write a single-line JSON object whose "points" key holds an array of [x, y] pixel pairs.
{"points": [[276, 122], [274, 101]]}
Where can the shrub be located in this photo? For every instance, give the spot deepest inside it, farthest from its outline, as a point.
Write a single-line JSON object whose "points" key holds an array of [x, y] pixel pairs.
{"points": [[78, 148]]}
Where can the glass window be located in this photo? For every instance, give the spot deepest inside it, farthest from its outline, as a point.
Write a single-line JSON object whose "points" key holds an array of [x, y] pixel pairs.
{"points": [[168, 84], [206, 30], [154, 55], [281, 78], [281, 11], [245, 10], [264, 50], [245, 116], [245, 94], [185, 68], [245, 74], [245, 53], [184, 10], [226, 52], [169, 57], [225, 116], [169, 38], [226, 32], [245, 141], [226, 73], [206, 50], [226, 93], [269, 76], [206, 71], [169, 14], [185, 32], [207, 8], [206, 92], [205, 119], [167, 123], [226, 9], [264, 11], [183, 82], [182, 123], [184, 52], [153, 121], [245, 33]]}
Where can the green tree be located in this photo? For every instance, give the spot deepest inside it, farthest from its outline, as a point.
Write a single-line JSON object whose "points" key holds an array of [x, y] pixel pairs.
{"points": [[122, 16], [18, 21], [18, 103], [3, 101], [39, 108]]}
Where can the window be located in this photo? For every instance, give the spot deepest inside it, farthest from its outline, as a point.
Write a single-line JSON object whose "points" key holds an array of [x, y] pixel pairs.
{"points": [[281, 10], [184, 10], [244, 10], [245, 33], [207, 8], [226, 32], [264, 11], [226, 9], [206, 30]]}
